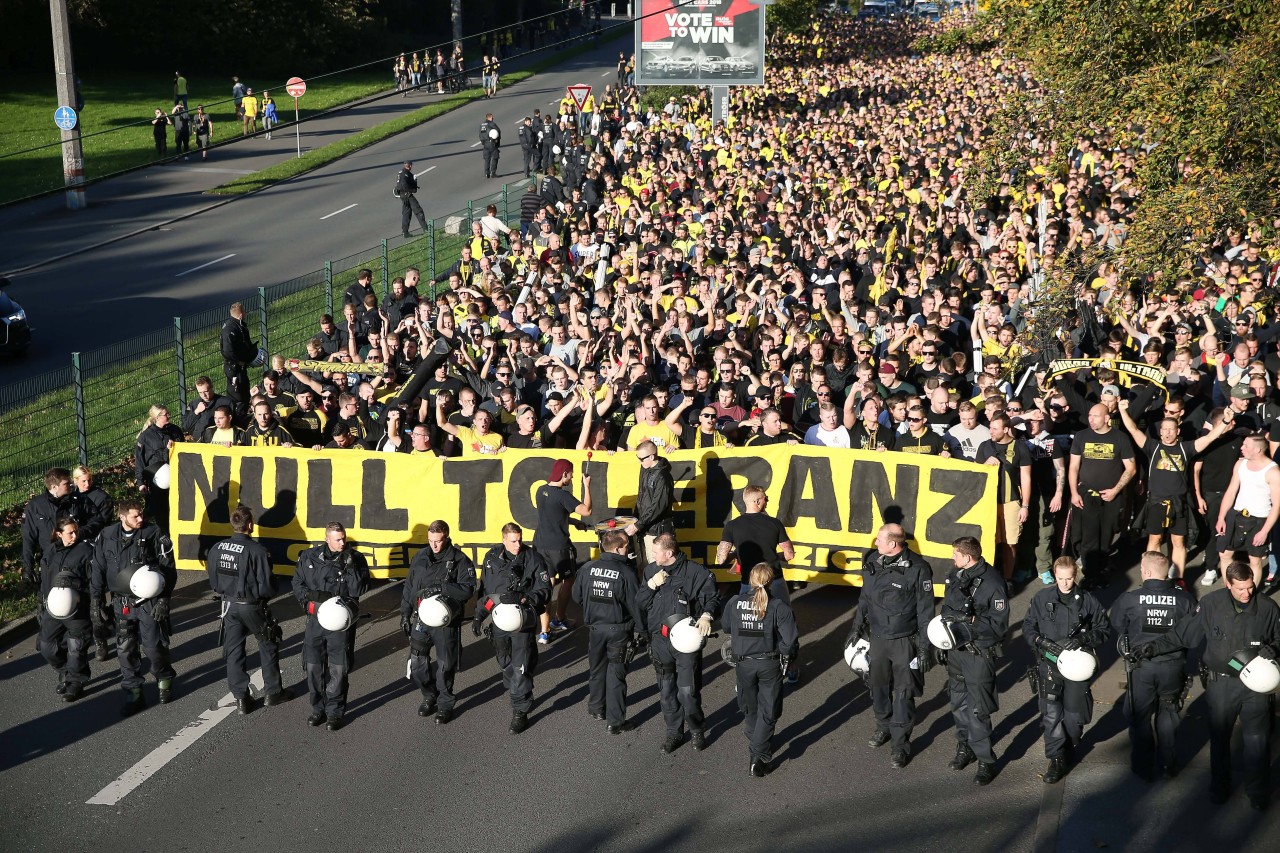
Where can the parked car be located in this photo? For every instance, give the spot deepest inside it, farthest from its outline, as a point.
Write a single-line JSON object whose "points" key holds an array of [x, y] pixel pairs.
{"points": [[15, 332]]}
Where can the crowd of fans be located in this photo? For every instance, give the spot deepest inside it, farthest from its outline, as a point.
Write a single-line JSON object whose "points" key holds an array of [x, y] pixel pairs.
{"points": [[814, 271]]}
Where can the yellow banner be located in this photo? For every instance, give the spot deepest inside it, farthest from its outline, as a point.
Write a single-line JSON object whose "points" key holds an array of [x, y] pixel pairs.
{"points": [[1137, 369], [831, 501]]}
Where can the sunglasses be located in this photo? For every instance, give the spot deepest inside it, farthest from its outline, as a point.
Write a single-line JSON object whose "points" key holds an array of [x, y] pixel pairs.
{"points": [[1014, 411], [645, 458], [915, 420], [708, 416], [1055, 407]]}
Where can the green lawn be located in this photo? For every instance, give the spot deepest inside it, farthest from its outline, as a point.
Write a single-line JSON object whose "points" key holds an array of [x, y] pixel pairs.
{"points": [[124, 104]]}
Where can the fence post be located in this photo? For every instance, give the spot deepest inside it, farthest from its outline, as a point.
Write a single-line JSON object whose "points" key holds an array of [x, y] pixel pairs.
{"points": [[262, 323], [328, 288], [180, 347], [82, 436], [471, 215], [506, 207], [431, 249], [386, 265]]}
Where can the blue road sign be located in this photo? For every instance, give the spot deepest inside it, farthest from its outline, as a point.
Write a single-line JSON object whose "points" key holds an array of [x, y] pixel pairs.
{"points": [[65, 118]]}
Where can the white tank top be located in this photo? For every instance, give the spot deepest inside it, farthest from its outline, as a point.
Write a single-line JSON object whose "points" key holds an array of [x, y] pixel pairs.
{"points": [[1254, 494]]}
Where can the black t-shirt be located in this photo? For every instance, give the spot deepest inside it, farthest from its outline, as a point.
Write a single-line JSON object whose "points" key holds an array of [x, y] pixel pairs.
{"points": [[1218, 462], [554, 507], [860, 438], [1102, 457], [535, 440], [434, 386], [757, 537], [763, 440], [1170, 469], [940, 422], [1012, 455], [929, 444]]}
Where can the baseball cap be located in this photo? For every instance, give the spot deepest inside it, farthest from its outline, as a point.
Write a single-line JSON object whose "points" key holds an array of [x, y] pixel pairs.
{"points": [[887, 369], [1113, 390], [560, 469], [504, 315], [1242, 392]]}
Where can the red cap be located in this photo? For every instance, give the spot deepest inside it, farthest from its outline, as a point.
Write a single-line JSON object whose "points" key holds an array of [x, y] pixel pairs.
{"points": [[1198, 295], [561, 469]]}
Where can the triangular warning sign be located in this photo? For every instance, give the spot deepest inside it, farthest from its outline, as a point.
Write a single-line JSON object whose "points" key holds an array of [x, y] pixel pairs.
{"points": [[580, 92]]}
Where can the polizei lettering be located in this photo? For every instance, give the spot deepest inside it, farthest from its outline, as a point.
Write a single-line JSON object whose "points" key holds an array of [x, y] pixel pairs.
{"points": [[699, 28], [1169, 600]]}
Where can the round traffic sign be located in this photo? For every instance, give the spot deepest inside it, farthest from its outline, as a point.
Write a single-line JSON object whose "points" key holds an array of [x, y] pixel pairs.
{"points": [[297, 87], [65, 118]]}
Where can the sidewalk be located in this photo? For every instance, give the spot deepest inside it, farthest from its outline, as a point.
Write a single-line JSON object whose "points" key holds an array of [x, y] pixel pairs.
{"points": [[42, 230]]}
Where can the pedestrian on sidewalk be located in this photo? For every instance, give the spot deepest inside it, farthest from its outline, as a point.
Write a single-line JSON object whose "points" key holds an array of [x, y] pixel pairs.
{"points": [[204, 131], [180, 90], [160, 132], [270, 118], [237, 95], [249, 108], [181, 131]]}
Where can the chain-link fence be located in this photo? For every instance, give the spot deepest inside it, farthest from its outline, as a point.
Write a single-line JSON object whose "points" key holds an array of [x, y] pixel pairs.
{"points": [[91, 411]]}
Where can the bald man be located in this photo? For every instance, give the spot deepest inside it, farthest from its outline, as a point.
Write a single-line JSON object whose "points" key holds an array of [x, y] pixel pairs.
{"points": [[1101, 468]]}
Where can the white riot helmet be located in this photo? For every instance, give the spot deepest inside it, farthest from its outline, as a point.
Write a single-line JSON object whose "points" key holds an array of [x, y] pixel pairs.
{"points": [[555, 149], [146, 583], [857, 656], [334, 615], [511, 617], [947, 635], [683, 634], [1077, 664], [61, 602], [1258, 674], [493, 133], [435, 611], [161, 478]]}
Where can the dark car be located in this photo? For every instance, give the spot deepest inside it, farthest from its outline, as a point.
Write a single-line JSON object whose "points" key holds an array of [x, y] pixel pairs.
{"points": [[15, 334]]}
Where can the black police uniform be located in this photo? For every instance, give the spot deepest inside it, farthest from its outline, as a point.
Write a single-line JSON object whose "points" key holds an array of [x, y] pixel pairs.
{"points": [[606, 589], [328, 656], [64, 643], [240, 571], [975, 596], [689, 590], [894, 609], [550, 138], [512, 579], [491, 147], [551, 536], [761, 648], [1155, 686], [406, 189], [1054, 622], [528, 145], [97, 511], [1225, 627], [238, 352], [38, 519], [144, 623], [150, 454], [450, 574]]}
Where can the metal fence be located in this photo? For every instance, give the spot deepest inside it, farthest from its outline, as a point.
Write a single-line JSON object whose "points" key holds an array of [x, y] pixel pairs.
{"points": [[91, 411]]}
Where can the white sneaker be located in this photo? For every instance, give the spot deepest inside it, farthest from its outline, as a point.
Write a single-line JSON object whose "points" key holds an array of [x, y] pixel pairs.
{"points": [[1209, 579]]}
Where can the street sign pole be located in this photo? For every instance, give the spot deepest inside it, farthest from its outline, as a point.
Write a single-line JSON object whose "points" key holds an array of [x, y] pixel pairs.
{"points": [[719, 104], [297, 87], [64, 71]]}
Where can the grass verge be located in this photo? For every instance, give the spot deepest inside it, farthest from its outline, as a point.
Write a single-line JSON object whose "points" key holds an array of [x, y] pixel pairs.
{"points": [[123, 104]]}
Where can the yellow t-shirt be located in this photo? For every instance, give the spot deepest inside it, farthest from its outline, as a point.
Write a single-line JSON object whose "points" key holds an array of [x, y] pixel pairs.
{"points": [[474, 444], [250, 104], [660, 434]]}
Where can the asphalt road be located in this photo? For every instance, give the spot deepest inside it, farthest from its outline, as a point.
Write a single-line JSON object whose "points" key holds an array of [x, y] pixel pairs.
{"points": [[393, 781], [138, 284]]}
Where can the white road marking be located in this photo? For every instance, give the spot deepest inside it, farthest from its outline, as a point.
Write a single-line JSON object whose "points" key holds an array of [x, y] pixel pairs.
{"points": [[428, 169], [606, 74], [474, 144], [202, 266], [219, 171], [336, 212], [154, 761]]}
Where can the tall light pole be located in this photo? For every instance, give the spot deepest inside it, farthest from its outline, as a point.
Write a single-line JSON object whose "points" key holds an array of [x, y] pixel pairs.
{"points": [[64, 70]]}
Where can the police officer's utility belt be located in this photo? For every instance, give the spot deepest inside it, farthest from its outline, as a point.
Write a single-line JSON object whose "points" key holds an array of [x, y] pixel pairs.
{"points": [[990, 652], [760, 656], [609, 626], [258, 603]]}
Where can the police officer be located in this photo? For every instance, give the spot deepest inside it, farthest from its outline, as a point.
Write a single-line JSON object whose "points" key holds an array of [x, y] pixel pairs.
{"points": [[762, 637], [120, 550], [39, 517], [674, 585], [976, 607], [438, 569], [1063, 617], [1228, 621], [406, 189], [238, 351], [331, 569], [1155, 687], [514, 574], [240, 572], [529, 147], [64, 640], [606, 589], [550, 137], [894, 610], [490, 143]]}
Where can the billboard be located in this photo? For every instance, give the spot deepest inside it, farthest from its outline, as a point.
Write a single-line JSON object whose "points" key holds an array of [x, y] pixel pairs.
{"points": [[700, 43]]}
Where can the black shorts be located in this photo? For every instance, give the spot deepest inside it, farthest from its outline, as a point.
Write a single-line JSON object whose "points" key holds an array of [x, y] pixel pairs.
{"points": [[1168, 516], [1240, 533], [561, 564]]}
